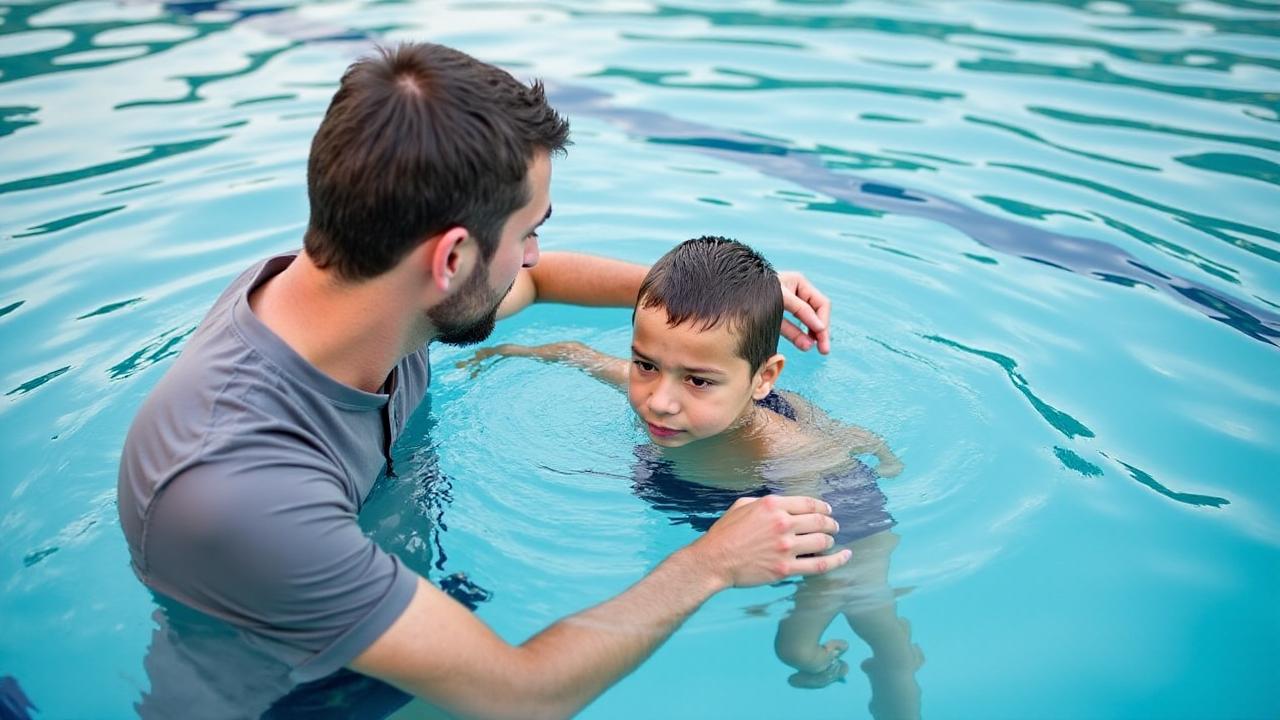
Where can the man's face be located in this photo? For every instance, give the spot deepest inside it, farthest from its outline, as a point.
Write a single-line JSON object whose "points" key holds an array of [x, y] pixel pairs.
{"points": [[468, 316], [684, 382]]}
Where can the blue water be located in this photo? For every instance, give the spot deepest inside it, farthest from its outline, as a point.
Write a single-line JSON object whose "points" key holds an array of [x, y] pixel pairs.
{"points": [[1049, 230]]}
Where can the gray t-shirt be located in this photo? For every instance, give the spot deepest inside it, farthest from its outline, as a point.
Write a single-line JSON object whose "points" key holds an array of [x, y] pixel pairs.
{"points": [[240, 483]]}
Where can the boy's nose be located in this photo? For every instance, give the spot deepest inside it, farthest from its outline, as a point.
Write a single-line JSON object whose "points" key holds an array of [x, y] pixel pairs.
{"points": [[662, 401]]}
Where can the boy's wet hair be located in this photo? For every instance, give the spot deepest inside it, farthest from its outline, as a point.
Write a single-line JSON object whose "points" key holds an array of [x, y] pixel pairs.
{"points": [[418, 139], [712, 280]]}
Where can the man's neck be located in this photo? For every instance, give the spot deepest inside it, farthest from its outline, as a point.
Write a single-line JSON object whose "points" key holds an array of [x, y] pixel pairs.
{"points": [[353, 332]]}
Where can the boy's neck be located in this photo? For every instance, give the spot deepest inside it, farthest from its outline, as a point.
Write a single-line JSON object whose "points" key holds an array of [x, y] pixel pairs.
{"points": [[744, 442]]}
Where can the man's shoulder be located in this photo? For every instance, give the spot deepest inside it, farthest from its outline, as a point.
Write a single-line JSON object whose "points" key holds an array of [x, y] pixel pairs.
{"points": [[219, 382]]}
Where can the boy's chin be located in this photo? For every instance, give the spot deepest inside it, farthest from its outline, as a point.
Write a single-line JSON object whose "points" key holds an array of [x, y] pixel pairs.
{"points": [[674, 441]]}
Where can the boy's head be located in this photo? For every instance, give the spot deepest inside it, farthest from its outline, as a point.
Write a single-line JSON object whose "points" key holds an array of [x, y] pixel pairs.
{"points": [[705, 339]]}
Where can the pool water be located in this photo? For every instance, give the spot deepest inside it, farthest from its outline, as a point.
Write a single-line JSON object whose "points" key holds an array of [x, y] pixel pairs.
{"points": [[1049, 230]]}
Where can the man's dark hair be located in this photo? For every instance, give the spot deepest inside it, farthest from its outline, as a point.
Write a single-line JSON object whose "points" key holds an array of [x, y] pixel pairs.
{"points": [[420, 138], [712, 280]]}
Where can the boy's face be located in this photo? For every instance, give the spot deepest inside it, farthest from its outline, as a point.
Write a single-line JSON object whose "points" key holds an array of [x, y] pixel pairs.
{"points": [[687, 384]]}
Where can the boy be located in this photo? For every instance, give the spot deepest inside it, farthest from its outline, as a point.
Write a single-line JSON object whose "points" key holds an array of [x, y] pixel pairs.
{"points": [[701, 378]]}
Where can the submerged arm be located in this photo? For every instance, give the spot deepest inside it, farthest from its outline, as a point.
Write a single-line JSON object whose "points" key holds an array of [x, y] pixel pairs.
{"points": [[610, 369], [859, 441], [862, 441]]}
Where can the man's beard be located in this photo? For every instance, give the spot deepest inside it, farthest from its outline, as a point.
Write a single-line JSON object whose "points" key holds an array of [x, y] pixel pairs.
{"points": [[468, 317]]}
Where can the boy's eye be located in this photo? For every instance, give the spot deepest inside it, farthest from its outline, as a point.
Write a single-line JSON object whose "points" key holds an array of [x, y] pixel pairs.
{"points": [[644, 366], [531, 236], [698, 382]]}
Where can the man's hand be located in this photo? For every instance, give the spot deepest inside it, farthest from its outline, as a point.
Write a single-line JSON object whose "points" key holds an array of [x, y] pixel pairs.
{"points": [[760, 541], [810, 307]]}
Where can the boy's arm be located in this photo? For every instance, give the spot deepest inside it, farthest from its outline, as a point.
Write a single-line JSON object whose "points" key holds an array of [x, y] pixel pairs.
{"points": [[576, 279], [861, 440], [610, 369], [858, 440]]}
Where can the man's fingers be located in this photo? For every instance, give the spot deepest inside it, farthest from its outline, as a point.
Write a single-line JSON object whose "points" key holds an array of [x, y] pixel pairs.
{"points": [[811, 308], [804, 311], [820, 305], [812, 543], [824, 342], [815, 523], [824, 315], [800, 504], [820, 564], [805, 339], [821, 332], [796, 336]]}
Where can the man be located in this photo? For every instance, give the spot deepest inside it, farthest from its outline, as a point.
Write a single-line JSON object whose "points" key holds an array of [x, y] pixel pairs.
{"points": [[243, 473]]}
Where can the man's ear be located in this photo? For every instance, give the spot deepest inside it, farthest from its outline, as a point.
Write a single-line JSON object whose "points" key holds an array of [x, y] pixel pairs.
{"points": [[449, 256], [767, 376]]}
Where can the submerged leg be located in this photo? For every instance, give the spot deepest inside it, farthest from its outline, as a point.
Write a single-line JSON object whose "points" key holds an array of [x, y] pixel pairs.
{"points": [[797, 645], [872, 612]]}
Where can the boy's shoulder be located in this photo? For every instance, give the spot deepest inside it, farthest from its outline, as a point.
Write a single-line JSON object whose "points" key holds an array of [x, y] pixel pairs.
{"points": [[805, 427], [794, 407]]}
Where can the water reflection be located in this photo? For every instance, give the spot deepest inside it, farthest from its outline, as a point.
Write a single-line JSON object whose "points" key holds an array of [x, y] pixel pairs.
{"points": [[692, 493], [811, 168], [860, 593]]}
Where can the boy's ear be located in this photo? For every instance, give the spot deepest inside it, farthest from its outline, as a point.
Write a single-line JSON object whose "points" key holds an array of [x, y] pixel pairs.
{"points": [[767, 376]]}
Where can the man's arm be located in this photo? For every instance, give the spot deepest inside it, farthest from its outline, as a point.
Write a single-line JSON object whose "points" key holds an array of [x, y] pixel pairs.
{"points": [[576, 279], [439, 651], [607, 368]]}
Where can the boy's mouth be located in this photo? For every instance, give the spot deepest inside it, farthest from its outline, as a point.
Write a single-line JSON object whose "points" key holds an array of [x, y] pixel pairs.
{"points": [[660, 431]]}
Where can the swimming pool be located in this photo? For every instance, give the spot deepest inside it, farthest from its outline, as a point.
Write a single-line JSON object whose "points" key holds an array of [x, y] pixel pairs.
{"points": [[1044, 226]]}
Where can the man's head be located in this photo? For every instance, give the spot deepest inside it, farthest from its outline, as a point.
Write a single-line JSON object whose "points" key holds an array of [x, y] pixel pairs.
{"points": [[425, 143], [704, 340]]}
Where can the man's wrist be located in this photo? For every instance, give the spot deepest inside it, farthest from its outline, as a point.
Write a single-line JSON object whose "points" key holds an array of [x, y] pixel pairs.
{"points": [[704, 572]]}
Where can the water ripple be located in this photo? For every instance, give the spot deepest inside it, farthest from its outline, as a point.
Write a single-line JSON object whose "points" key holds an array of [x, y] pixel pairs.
{"points": [[36, 382], [110, 308], [67, 222], [761, 82], [1220, 228], [1059, 420], [152, 153], [809, 168], [1099, 74], [163, 346], [1186, 498], [1153, 127]]}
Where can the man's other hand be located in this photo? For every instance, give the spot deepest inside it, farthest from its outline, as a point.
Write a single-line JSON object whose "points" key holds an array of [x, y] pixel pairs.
{"points": [[810, 307], [762, 540]]}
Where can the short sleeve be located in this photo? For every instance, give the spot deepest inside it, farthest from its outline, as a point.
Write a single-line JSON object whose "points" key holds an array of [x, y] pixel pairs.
{"points": [[276, 551]]}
